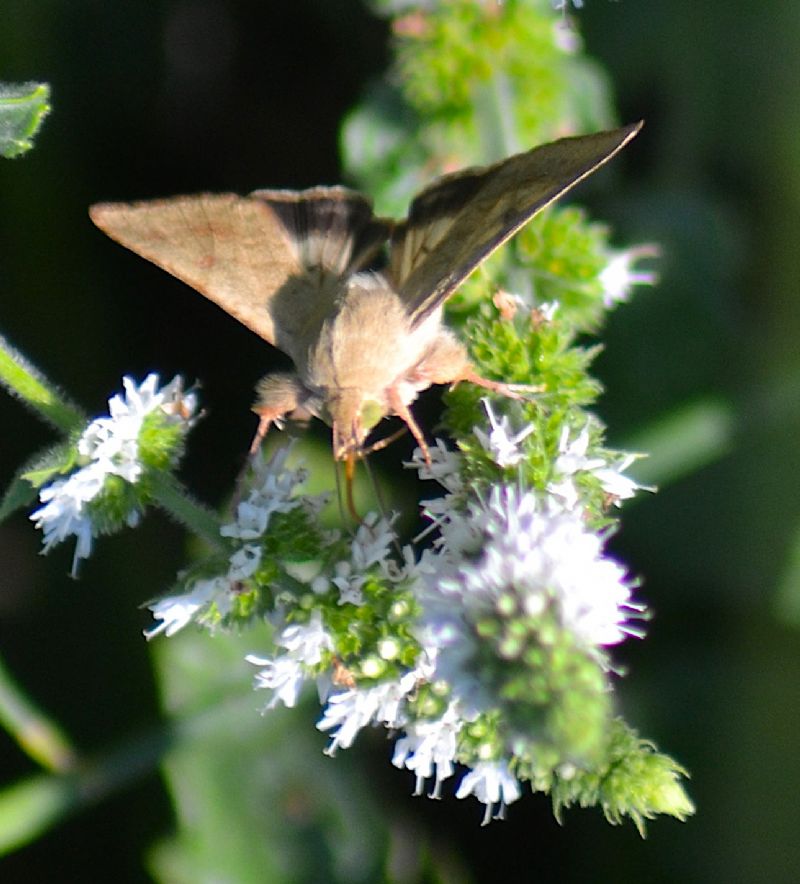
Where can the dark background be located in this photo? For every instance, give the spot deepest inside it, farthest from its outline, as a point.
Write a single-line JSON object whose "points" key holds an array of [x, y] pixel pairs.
{"points": [[157, 98]]}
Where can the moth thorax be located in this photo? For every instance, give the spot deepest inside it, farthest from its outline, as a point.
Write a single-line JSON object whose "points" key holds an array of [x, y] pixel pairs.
{"points": [[352, 416]]}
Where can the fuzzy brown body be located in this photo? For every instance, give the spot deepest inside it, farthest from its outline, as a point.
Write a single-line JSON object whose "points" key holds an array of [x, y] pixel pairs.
{"points": [[360, 361], [293, 267]]}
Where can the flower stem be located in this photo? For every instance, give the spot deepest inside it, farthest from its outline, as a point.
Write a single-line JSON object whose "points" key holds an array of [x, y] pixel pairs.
{"points": [[172, 497], [24, 381]]}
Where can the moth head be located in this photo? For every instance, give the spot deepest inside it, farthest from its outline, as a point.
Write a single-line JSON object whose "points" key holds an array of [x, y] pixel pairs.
{"points": [[352, 415]]}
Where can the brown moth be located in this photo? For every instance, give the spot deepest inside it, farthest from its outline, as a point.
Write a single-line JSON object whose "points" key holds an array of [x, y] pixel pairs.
{"points": [[292, 266]]}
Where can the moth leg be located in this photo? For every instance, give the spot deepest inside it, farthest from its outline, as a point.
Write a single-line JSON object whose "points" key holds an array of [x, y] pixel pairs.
{"points": [[447, 362], [513, 391], [399, 407], [277, 395]]}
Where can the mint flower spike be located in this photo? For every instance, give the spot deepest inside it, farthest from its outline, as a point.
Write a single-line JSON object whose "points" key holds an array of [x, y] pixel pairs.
{"points": [[534, 555], [109, 446]]}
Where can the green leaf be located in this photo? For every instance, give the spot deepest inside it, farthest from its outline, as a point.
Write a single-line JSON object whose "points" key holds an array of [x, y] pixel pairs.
{"points": [[34, 473], [30, 807], [20, 493], [44, 466], [23, 106]]}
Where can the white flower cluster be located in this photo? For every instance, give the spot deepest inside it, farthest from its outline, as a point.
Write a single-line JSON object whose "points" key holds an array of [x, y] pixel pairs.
{"points": [[533, 545], [536, 543], [517, 540], [427, 747], [109, 446], [503, 445], [273, 491]]}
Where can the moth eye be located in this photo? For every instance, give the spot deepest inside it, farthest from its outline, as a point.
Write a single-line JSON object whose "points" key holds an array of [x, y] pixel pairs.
{"points": [[371, 413]]}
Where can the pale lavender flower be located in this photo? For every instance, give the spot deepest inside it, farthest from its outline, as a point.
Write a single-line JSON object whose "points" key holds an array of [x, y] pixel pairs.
{"points": [[244, 562], [63, 512], [573, 459], [620, 275], [175, 612], [444, 466], [523, 549], [305, 644], [616, 484], [251, 522], [349, 583], [272, 491], [492, 784], [500, 442], [284, 676], [428, 748], [347, 712], [306, 641], [547, 310], [371, 546], [113, 441]]}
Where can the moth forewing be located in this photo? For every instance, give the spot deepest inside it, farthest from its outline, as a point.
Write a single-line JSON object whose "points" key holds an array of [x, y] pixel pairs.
{"points": [[231, 249], [459, 220]]}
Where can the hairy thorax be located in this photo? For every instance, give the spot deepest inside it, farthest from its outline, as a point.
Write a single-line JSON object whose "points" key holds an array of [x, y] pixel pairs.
{"points": [[366, 343]]}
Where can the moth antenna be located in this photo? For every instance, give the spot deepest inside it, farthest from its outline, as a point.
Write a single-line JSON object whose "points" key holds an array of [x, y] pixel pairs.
{"points": [[381, 500], [383, 443], [339, 492]]}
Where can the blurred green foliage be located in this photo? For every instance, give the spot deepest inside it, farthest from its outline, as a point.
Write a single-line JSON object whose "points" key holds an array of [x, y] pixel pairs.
{"points": [[187, 96]]}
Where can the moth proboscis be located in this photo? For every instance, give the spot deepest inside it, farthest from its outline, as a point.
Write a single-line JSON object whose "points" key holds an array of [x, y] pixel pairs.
{"points": [[293, 267]]}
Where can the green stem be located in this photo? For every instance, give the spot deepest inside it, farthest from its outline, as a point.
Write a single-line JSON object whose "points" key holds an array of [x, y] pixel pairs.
{"points": [[172, 497], [37, 735], [24, 381]]}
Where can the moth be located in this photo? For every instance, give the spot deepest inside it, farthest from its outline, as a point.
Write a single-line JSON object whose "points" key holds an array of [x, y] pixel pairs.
{"points": [[294, 267]]}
